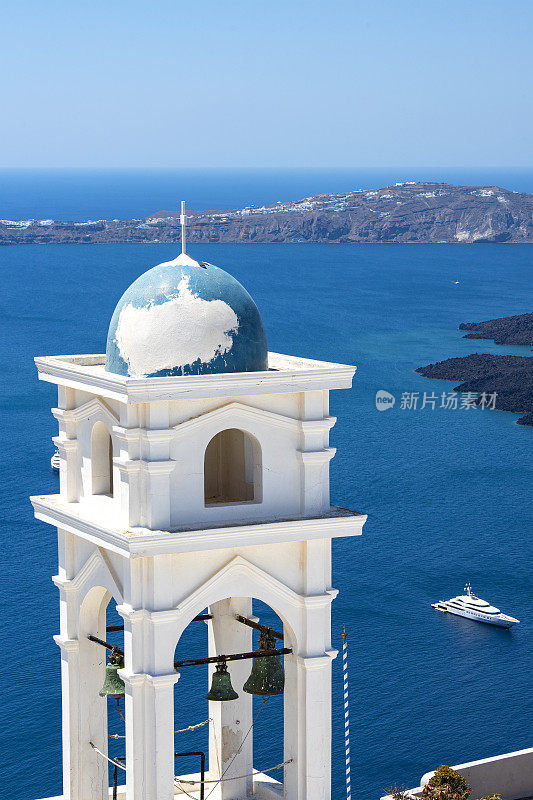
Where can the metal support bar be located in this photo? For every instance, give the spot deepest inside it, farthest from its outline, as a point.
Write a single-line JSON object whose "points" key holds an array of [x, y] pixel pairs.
{"points": [[258, 627], [202, 768], [115, 782], [198, 618], [106, 644], [280, 651], [232, 657]]}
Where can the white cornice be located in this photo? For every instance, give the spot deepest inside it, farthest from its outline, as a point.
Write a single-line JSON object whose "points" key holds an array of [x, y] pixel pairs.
{"points": [[162, 681], [286, 374], [68, 445], [93, 408], [67, 645], [140, 542], [318, 425], [96, 564], [157, 681], [157, 436], [149, 467], [133, 615], [129, 466], [239, 411], [157, 467], [316, 456], [127, 435], [236, 409], [148, 435], [317, 662]]}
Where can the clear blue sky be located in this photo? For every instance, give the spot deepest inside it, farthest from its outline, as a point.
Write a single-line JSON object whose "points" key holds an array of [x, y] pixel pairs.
{"points": [[272, 83]]}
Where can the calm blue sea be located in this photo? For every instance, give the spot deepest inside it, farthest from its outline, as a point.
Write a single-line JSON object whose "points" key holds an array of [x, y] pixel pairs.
{"points": [[447, 491]]}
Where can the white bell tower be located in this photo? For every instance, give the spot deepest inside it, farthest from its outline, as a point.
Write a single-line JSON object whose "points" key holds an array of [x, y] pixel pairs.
{"points": [[181, 493]]}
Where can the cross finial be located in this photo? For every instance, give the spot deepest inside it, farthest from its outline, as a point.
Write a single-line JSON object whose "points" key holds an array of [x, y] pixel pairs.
{"points": [[183, 220]]}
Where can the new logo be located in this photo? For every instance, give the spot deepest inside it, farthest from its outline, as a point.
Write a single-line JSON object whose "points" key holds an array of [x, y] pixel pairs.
{"points": [[384, 400]]}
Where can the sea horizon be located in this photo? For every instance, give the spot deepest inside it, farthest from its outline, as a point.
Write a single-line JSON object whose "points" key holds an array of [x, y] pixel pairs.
{"points": [[83, 193]]}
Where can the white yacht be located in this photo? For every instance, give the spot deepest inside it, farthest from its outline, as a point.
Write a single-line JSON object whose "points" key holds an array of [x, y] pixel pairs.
{"points": [[54, 461], [472, 607]]}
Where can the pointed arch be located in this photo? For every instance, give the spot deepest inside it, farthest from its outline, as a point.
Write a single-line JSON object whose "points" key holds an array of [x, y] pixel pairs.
{"points": [[91, 410], [252, 582], [98, 571]]}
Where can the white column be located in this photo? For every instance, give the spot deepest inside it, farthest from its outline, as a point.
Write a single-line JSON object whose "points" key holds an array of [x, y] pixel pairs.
{"points": [[315, 480], [92, 714], [149, 703], [127, 473], [129, 491], [315, 699], [156, 475], [231, 719], [70, 665], [135, 726], [308, 688], [149, 735], [308, 727], [291, 728], [84, 713], [67, 444], [68, 467]]}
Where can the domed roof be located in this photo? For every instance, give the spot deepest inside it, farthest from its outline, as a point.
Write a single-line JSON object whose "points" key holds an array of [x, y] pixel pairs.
{"points": [[185, 317]]}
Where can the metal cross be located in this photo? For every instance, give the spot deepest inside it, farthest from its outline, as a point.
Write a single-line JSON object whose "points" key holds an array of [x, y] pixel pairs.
{"points": [[183, 221]]}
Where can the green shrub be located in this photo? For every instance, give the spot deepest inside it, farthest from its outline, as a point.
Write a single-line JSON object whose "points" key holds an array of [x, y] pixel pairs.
{"points": [[398, 793], [446, 784], [441, 793], [492, 797]]}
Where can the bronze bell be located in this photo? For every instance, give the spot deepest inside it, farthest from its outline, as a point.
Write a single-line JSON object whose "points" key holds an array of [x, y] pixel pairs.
{"points": [[113, 685], [221, 688], [266, 677]]}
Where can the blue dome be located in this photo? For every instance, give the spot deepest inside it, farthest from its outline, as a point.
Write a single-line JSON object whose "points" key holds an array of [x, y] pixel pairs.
{"points": [[185, 317]]}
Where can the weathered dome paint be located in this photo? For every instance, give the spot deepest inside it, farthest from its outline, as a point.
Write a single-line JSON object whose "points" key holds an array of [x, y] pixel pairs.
{"points": [[185, 318]]}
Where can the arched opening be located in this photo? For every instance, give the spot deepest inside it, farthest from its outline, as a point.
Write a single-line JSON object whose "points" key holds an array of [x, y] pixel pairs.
{"points": [[102, 719], [232, 468], [101, 460], [234, 734]]}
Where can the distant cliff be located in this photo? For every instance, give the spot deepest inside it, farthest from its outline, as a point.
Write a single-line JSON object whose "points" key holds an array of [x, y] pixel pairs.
{"points": [[406, 212], [510, 377]]}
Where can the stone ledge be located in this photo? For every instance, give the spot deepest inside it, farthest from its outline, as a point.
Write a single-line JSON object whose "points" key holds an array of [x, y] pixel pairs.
{"points": [[140, 542], [265, 787], [285, 374]]}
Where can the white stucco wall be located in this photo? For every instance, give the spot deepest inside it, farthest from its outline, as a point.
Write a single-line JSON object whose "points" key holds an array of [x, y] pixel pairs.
{"points": [[509, 774], [159, 448]]}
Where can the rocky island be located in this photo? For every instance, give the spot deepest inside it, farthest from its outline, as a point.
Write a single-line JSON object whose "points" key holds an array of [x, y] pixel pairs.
{"points": [[511, 377], [506, 330], [404, 213]]}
